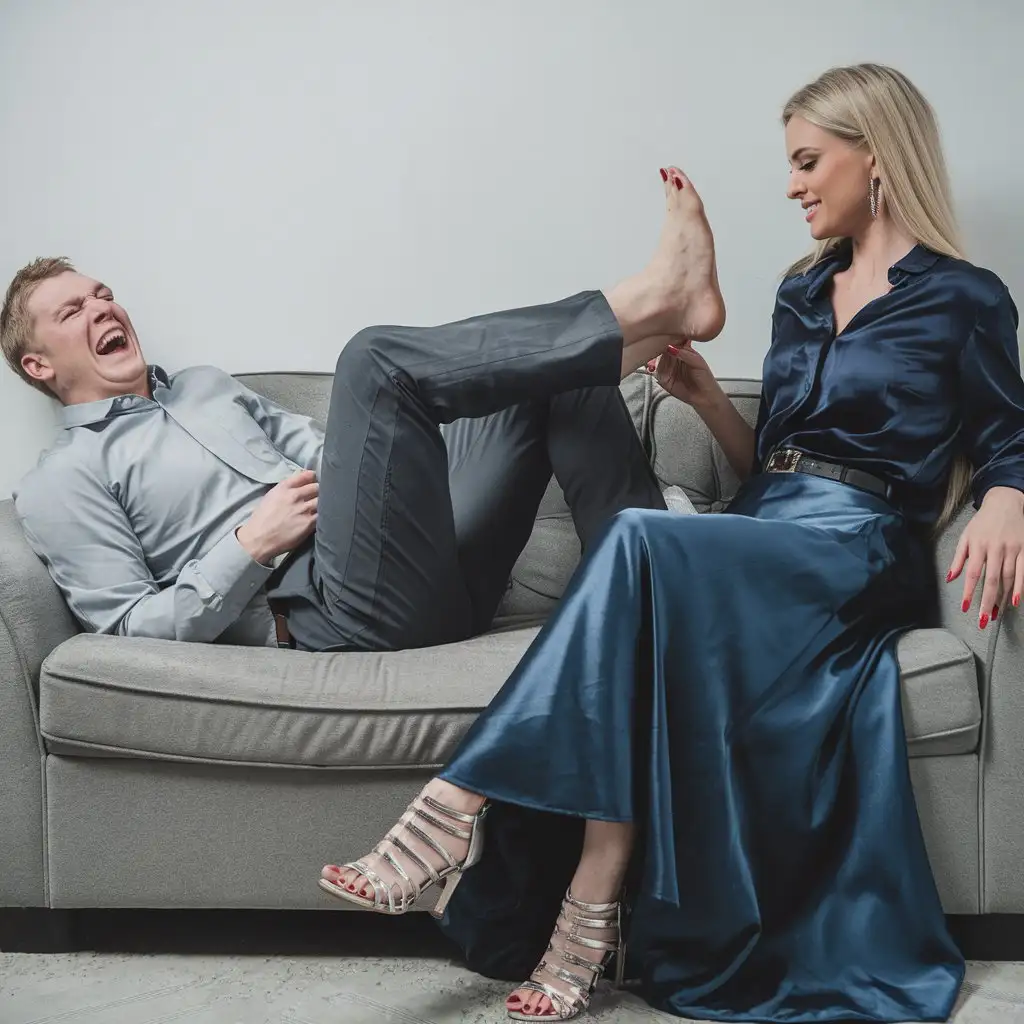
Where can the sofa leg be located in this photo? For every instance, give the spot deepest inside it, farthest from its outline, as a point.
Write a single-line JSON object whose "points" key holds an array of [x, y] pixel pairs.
{"points": [[37, 930]]}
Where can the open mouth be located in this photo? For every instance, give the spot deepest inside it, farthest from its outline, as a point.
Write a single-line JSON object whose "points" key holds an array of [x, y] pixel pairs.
{"points": [[811, 210], [112, 341]]}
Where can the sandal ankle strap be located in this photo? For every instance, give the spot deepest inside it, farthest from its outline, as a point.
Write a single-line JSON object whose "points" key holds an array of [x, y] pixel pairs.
{"points": [[591, 908]]}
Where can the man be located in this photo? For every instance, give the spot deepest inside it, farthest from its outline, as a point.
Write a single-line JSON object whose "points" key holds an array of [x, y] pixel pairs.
{"points": [[187, 507]]}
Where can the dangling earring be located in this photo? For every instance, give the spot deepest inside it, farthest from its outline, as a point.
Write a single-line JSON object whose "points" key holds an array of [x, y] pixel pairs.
{"points": [[874, 187]]}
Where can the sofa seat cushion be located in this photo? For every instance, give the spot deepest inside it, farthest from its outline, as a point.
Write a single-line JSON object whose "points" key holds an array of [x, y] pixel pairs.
{"points": [[113, 696], [109, 696]]}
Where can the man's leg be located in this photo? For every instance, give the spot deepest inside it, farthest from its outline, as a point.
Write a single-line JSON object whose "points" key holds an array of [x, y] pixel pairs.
{"points": [[500, 467], [386, 564]]}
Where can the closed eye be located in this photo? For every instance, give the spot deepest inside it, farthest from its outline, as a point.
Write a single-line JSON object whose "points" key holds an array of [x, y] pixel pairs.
{"points": [[809, 166]]}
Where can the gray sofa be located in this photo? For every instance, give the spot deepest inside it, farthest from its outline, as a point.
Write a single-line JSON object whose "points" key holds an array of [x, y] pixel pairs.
{"points": [[149, 773]]}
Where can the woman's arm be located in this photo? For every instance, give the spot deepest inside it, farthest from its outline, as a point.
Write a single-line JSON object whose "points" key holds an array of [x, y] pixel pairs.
{"points": [[685, 375], [992, 545], [732, 432]]}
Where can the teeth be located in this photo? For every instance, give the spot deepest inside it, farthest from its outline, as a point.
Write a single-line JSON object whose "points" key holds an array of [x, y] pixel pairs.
{"points": [[110, 342]]}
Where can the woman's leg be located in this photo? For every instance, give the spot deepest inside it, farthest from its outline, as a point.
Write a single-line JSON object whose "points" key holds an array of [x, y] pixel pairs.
{"points": [[607, 846]]}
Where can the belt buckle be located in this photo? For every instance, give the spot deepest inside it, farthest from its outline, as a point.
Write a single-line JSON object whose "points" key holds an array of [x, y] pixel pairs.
{"points": [[785, 461]]}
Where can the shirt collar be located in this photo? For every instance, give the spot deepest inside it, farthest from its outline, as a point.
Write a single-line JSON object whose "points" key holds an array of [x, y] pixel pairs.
{"points": [[84, 413], [917, 261]]}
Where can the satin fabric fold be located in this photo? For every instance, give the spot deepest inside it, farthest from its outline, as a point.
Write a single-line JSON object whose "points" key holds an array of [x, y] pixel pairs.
{"points": [[729, 683]]}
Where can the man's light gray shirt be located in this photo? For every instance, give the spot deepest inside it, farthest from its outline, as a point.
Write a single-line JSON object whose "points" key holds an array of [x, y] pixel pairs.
{"points": [[135, 507]]}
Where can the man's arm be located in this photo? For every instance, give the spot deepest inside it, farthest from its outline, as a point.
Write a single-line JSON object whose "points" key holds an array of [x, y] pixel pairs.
{"points": [[87, 543]]}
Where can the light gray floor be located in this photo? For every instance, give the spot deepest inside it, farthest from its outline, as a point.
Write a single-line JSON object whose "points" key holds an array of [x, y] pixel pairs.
{"points": [[104, 988]]}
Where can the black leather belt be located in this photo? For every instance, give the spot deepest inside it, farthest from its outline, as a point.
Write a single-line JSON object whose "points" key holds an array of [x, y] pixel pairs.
{"points": [[789, 460]]}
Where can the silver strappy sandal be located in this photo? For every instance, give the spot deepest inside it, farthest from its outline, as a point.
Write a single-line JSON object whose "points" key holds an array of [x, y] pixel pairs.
{"points": [[575, 915], [410, 889]]}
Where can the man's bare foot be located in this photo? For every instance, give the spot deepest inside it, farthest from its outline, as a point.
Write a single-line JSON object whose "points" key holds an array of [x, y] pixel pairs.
{"points": [[678, 293], [443, 793]]}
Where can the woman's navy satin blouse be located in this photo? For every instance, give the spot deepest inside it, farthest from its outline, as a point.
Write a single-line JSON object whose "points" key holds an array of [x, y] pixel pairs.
{"points": [[928, 370]]}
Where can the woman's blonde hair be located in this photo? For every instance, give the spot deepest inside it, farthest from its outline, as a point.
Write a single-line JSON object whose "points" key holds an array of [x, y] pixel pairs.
{"points": [[881, 110]]}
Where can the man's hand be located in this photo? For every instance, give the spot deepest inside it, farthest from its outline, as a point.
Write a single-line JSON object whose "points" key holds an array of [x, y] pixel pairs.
{"points": [[992, 545], [284, 518]]}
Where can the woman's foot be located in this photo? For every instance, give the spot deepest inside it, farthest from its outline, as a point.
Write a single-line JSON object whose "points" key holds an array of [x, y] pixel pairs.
{"points": [[440, 834], [585, 938], [677, 295]]}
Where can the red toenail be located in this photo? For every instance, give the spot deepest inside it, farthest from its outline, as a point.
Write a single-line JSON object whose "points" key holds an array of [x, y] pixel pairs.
{"points": [[679, 183], [664, 174], [350, 887]]}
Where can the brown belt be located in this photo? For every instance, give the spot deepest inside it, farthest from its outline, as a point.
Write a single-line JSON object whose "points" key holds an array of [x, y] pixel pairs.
{"points": [[281, 630]]}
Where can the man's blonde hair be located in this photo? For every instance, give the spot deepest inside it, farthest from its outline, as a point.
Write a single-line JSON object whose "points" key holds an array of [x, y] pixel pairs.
{"points": [[881, 110], [15, 320]]}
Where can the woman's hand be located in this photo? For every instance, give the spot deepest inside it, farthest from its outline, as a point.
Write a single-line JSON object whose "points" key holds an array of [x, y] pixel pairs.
{"points": [[685, 375], [993, 542]]}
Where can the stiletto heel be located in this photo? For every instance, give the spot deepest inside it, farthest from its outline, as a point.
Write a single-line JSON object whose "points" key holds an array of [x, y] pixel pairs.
{"points": [[450, 885]]}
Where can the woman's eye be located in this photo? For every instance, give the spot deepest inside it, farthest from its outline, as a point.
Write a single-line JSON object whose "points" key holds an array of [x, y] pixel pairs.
{"points": [[809, 166]]}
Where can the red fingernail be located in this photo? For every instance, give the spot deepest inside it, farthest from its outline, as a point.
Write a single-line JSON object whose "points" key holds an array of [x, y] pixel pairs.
{"points": [[995, 612], [983, 622], [1016, 600], [965, 606], [949, 576], [664, 174], [679, 182], [674, 349]]}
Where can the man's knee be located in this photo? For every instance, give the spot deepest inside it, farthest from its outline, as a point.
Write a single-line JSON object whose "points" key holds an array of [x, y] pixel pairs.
{"points": [[364, 354]]}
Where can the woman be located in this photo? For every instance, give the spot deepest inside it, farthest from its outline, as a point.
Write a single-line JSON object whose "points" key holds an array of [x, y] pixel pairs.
{"points": [[712, 717]]}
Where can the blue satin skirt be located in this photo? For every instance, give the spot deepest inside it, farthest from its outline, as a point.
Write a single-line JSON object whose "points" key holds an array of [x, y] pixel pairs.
{"points": [[728, 683]]}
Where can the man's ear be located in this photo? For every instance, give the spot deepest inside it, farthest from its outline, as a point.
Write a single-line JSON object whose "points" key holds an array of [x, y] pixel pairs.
{"points": [[38, 367]]}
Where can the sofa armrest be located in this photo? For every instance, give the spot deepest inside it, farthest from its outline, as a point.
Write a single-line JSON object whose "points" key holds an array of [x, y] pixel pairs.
{"points": [[999, 651], [34, 619]]}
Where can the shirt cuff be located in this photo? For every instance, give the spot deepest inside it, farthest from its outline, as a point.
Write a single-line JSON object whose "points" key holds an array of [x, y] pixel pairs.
{"points": [[230, 570]]}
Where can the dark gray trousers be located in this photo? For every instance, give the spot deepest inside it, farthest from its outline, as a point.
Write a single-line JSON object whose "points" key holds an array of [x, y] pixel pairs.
{"points": [[439, 445]]}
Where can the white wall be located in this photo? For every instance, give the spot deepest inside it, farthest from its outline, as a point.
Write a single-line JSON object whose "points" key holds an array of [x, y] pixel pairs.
{"points": [[257, 180]]}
